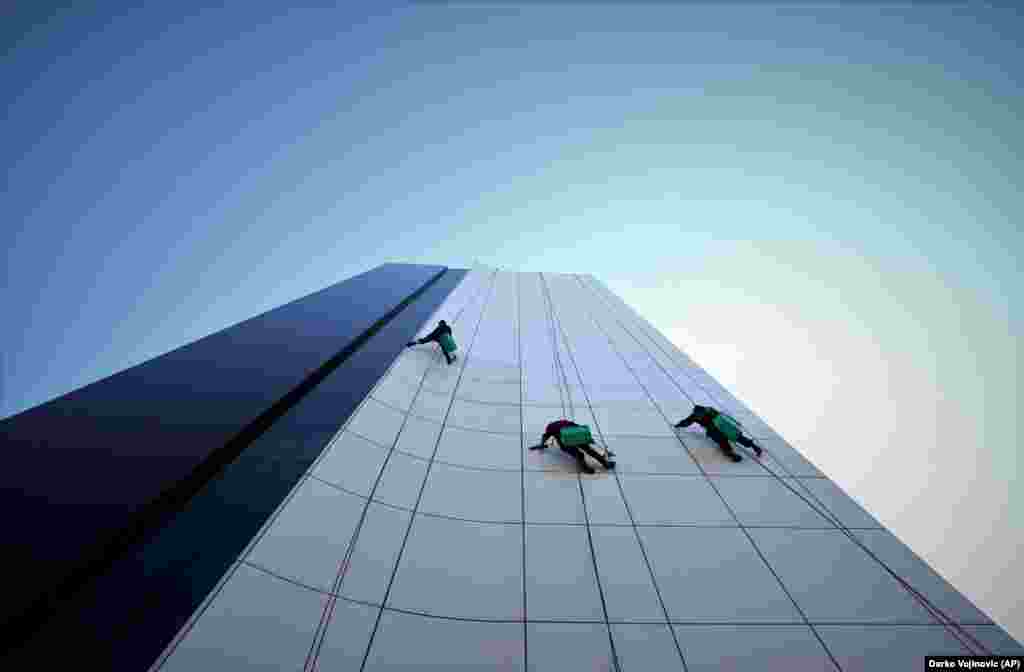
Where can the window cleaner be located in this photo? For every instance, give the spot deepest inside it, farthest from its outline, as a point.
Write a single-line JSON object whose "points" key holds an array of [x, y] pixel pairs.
{"points": [[576, 440], [720, 428], [448, 343], [442, 335]]}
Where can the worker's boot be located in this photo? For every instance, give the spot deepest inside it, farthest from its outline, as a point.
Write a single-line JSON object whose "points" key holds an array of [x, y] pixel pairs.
{"points": [[605, 462], [750, 443], [735, 457]]}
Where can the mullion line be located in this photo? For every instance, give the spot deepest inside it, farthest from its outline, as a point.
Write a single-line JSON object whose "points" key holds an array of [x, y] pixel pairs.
{"points": [[668, 356], [569, 410], [563, 381], [473, 467], [426, 477], [629, 511], [522, 464], [958, 633], [628, 313], [732, 513], [262, 532], [477, 521], [647, 329], [327, 615], [586, 514], [328, 612], [469, 301], [946, 621], [554, 356], [640, 622], [424, 614], [934, 611], [654, 341]]}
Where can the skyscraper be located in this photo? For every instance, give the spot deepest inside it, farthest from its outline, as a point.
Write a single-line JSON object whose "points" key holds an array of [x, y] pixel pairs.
{"points": [[303, 491]]}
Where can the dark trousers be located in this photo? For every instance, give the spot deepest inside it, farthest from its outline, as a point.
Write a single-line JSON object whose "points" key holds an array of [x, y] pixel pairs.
{"points": [[723, 441], [577, 452]]}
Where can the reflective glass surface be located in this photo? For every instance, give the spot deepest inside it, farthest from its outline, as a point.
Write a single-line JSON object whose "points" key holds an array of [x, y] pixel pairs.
{"points": [[86, 461], [432, 533]]}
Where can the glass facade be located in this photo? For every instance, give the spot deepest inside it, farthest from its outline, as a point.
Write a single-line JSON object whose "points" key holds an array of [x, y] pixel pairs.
{"points": [[125, 522], [429, 536], [425, 534]]}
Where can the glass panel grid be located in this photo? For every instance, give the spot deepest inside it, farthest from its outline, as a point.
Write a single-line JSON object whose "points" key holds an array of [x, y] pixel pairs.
{"points": [[516, 561]]}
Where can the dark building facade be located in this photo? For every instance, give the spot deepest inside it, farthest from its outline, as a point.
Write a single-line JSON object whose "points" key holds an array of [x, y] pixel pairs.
{"points": [[302, 491]]}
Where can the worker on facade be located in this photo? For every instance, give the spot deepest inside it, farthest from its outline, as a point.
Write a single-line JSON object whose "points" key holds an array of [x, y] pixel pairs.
{"points": [[577, 441], [442, 335], [720, 428]]}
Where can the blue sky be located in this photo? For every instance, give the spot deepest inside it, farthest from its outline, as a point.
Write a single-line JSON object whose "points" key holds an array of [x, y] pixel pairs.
{"points": [[817, 203]]}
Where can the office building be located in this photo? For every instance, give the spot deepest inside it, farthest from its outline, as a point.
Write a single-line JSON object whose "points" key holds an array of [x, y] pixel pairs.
{"points": [[302, 491]]}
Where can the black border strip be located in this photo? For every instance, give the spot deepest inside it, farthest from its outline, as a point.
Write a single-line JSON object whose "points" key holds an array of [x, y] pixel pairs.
{"points": [[74, 601]]}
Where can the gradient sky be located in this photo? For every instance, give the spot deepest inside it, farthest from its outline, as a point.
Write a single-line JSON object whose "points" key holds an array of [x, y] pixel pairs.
{"points": [[817, 203]]}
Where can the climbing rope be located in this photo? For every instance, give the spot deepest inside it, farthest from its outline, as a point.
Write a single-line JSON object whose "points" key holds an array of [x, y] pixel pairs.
{"points": [[568, 409], [956, 630]]}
